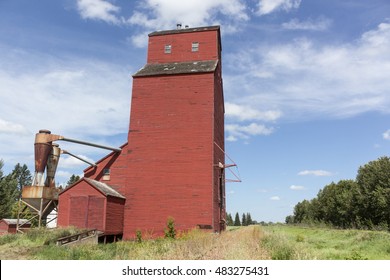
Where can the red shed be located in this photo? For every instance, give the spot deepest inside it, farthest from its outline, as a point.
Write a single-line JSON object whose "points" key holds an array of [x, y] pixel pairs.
{"points": [[9, 225], [91, 204]]}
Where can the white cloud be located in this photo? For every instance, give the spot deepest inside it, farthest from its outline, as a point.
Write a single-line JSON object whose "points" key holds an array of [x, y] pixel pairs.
{"points": [[98, 10], [315, 173], [321, 24], [386, 135], [165, 14], [7, 127], [305, 79], [71, 96], [237, 131], [269, 6], [275, 198], [245, 113], [297, 188], [72, 162]]}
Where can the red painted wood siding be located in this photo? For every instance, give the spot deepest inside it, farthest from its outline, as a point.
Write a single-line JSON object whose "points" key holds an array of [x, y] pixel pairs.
{"points": [[118, 165], [4, 228], [115, 215], [85, 207], [171, 163], [219, 200], [182, 47], [74, 206]]}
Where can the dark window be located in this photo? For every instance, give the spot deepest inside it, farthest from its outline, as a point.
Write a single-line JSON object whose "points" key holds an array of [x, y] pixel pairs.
{"points": [[106, 174]]}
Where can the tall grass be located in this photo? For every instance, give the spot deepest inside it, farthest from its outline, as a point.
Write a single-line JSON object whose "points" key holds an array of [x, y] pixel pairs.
{"points": [[278, 242], [194, 245], [294, 242]]}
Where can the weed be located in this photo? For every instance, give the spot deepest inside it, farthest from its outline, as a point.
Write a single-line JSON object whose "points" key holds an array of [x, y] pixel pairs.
{"points": [[7, 238], [278, 246], [300, 238], [138, 235], [356, 256], [170, 231]]}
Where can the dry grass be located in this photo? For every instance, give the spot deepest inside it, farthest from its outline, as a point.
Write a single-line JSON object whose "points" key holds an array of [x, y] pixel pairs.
{"points": [[237, 244], [230, 245]]}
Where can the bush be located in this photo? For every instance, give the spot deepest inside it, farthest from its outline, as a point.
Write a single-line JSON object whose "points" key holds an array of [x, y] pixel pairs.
{"points": [[170, 231], [138, 235]]}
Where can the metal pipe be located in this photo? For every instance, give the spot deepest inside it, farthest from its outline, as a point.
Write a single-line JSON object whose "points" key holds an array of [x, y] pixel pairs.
{"points": [[90, 144], [79, 158]]}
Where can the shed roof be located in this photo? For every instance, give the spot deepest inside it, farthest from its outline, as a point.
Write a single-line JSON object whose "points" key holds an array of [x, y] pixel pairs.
{"points": [[15, 221], [103, 188], [173, 68]]}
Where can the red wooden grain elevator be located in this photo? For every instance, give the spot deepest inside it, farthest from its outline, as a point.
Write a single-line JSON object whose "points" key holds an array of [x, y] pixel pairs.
{"points": [[172, 164]]}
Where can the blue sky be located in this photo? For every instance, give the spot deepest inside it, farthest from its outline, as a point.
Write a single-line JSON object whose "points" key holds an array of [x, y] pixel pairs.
{"points": [[306, 85]]}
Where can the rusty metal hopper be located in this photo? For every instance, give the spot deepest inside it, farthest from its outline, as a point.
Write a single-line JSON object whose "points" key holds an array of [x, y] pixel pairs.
{"points": [[52, 164], [42, 199], [42, 150]]}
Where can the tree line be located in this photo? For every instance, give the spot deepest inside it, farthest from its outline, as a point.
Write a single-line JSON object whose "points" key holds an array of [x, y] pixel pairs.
{"points": [[363, 203], [11, 187], [246, 220]]}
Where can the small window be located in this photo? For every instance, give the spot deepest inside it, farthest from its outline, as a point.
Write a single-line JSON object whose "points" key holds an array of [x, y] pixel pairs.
{"points": [[195, 46], [106, 174], [168, 49]]}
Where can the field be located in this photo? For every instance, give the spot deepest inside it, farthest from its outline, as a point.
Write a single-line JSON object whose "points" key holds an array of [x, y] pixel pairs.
{"points": [[276, 242]]}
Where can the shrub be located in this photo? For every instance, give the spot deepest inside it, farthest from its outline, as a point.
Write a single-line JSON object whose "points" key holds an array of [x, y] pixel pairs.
{"points": [[170, 231], [138, 235]]}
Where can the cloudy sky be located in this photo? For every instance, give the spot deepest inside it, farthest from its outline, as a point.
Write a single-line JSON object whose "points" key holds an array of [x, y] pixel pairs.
{"points": [[306, 85]]}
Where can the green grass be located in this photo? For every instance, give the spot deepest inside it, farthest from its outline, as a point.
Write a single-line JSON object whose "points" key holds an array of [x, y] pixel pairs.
{"points": [[295, 242], [278, 242]]}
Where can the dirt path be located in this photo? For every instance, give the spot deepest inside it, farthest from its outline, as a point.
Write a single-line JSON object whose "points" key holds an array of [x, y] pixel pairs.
{"points": [[240, 244]]}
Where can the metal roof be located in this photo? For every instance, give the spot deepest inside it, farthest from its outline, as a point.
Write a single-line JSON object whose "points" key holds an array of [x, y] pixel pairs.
{"points": [[104, 188], [173, 68], [15, 221], [184, 30]]}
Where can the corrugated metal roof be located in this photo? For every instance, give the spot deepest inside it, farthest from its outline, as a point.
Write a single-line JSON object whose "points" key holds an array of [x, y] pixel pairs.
{"points": [[184, 30], [104, 188], [15, 221], [173, 68]]}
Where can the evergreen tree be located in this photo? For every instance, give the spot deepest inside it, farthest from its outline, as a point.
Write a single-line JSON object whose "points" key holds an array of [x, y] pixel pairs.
{"points": [[73, 179], [243, 220], [9, 193], [1, 168], [229, 220], [22, 175], [249, 219], [237, 221]]}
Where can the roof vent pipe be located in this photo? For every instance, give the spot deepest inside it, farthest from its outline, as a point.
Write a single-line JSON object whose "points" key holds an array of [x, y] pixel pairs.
{"points": [[178, 26]]}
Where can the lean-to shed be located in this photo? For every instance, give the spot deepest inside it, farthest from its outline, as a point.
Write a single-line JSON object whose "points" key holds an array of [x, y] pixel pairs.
{"points": [[91, 204], [9, 225]]}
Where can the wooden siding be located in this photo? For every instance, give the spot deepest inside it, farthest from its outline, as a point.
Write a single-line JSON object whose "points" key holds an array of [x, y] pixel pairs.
{"points": [[118, 165], [182, 47], [85, 207], [171, 164]]}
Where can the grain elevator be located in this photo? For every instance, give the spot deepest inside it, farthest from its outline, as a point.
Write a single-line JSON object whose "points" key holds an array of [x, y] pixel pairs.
{"points": [[172, 164]]}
